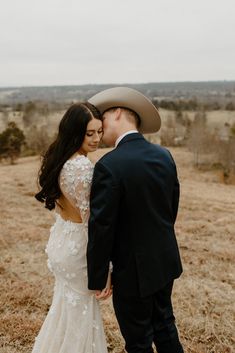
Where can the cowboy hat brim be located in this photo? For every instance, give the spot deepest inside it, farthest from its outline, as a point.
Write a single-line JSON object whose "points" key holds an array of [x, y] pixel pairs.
{"points": [[129, 98]]}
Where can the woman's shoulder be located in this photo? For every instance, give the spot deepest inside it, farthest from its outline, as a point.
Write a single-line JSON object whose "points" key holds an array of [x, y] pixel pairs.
{"points": [[78, 161], [76, 166]]}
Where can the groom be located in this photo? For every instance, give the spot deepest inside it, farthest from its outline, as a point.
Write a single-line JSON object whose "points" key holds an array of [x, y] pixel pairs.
{"points": [[134, 203]]}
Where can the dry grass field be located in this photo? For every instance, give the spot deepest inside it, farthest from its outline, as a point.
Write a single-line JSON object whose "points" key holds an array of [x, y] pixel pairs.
{"points": [[215, 118], [203, 297]]}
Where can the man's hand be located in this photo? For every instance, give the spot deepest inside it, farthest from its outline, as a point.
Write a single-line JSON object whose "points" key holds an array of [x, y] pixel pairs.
{"points": [[103, 294], [107, 291]]}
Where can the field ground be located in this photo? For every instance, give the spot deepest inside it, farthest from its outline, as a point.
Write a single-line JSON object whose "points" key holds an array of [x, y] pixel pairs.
{"points": [[203, 297]]}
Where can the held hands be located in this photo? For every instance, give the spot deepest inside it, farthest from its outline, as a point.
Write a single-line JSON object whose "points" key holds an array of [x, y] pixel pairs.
{"points": [[107, 291]]}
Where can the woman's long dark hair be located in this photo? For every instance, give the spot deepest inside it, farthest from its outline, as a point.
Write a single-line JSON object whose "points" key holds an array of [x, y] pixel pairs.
{"points": [[72, 130]]}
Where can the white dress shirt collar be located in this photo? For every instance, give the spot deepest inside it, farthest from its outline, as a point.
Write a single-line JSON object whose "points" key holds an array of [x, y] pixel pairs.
{"points": [[123, 135]]}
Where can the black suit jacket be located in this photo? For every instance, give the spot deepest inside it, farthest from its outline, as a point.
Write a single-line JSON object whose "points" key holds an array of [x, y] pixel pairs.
{"points": [[134, 203]]}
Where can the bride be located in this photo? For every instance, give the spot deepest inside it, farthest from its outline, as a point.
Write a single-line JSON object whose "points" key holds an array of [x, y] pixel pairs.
{"points": [[73, 323]]}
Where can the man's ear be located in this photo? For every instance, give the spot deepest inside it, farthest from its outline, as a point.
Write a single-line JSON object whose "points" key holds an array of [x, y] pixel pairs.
{"points": [[118, 113]]}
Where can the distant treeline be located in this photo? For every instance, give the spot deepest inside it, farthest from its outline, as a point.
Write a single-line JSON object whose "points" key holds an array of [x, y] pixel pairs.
{"points": [[219, 91], [192, 105], [40, 107]]}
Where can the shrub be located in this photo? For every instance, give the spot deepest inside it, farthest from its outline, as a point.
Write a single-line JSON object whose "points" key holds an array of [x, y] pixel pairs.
{"points": [[11, 141]]}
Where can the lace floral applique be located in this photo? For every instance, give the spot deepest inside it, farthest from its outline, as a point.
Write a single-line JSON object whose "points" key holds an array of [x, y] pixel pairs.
{"points": [[85, 307], [72, 297], [73, 247], [49, 265], [75, 183], [95, 326]]}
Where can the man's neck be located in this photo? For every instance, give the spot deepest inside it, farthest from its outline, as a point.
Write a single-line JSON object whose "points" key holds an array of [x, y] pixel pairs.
{"points": [[124, 133]]}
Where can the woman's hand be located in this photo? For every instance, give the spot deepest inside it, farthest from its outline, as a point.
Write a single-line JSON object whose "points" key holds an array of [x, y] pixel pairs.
{"points": [[107, 291]]}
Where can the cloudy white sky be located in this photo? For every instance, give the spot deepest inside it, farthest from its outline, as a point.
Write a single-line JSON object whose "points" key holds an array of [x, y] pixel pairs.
{"points": [[54, 42]]}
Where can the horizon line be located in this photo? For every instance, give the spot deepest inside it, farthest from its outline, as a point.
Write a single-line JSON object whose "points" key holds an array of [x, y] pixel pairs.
{"points": [[116, 84]]}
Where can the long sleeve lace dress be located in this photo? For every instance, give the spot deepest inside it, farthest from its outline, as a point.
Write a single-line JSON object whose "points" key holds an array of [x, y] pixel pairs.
{"points": [[73, 323]]}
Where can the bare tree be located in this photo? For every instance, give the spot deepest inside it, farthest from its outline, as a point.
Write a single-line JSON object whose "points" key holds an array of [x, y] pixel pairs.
{"points": [[168, 132], [198, 139], [38, 139], [226, 157], [29, 112]]}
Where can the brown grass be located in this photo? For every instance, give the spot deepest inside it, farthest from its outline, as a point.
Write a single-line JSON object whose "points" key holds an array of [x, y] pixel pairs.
{"points": [[203, 297]]}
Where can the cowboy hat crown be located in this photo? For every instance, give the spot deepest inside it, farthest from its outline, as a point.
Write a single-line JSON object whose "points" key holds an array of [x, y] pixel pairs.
{"points": [[129, 98]]}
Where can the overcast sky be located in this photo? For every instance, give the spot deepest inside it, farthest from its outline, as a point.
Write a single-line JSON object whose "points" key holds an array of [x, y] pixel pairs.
{"points": [[65, 42]]}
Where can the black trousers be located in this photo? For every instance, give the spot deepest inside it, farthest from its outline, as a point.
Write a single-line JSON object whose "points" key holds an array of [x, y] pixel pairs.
{"points": [[144, 321]]}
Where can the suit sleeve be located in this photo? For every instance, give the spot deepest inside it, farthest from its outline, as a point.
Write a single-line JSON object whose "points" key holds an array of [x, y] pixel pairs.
{"points": [[176, 190], [104, 202], [175, 200]]}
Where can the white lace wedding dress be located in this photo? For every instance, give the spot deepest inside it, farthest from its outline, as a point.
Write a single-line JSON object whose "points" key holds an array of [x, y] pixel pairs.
{"points": [[73, 323]]}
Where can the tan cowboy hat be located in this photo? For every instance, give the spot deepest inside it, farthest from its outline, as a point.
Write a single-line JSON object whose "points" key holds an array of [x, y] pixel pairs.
{"points": [[129, 98]]}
